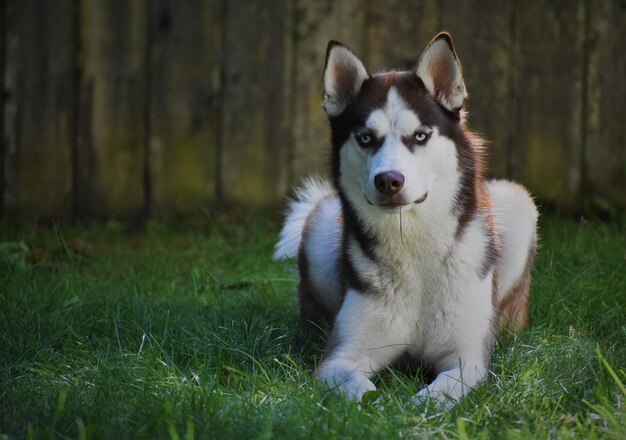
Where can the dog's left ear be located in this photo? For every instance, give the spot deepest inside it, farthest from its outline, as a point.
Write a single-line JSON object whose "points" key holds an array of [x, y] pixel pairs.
{"points": [[440, 70], [344, 75]]}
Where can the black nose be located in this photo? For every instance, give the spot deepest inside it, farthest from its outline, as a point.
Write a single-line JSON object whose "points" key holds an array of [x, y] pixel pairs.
{"points": [[389, 182]]}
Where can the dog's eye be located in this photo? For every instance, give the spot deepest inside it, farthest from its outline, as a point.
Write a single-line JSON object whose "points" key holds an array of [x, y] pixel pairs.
{"points": [[364, 138], [421, 137]]}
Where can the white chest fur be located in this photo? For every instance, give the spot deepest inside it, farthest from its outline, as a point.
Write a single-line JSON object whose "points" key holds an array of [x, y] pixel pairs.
{"points": [[424, 294]]}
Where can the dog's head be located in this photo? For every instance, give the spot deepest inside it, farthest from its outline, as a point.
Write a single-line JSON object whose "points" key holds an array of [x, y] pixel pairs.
{"points": [[396, 135]]}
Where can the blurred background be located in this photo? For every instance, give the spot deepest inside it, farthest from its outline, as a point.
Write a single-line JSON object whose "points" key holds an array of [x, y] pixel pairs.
{"points": [[128, 109]]}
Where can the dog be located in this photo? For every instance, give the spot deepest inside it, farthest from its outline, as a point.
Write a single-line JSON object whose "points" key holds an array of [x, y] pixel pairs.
{"points": [[408, 252]]}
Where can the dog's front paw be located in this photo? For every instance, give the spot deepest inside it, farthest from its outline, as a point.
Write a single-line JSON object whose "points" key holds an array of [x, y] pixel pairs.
{"points": [[428, 395], [356, 386], [450, 386], [353, 384]]}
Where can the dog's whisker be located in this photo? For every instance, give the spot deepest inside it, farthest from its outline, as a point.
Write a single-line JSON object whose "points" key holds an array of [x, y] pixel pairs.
{"points": [[401, 234], [393, 345]]}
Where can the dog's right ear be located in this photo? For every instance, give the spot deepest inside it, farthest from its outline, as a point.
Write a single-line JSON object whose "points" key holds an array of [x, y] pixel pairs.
{"points": [[343, 77]]}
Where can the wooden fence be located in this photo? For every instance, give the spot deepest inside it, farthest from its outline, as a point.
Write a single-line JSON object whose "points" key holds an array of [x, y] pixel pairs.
{"points": [[127, 108]]}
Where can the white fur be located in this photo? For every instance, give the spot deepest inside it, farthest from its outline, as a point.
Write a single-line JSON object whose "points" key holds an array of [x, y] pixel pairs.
{"points": [[516, 217], [449, 386], [307, 198], [321, 245], [395, 118]]}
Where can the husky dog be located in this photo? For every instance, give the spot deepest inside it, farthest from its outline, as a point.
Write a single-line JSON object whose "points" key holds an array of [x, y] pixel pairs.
{"points": [[408, 253]]}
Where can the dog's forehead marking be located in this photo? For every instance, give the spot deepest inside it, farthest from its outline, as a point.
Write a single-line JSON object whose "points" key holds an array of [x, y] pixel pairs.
{"points": [[395, 117], [379, 122]]}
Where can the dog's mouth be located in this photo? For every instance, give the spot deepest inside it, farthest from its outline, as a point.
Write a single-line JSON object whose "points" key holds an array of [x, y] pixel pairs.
{"points": [[392, 204]]}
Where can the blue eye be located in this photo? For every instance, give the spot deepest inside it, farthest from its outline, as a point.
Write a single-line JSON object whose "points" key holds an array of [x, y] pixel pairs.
{"points": [[365, 138], [421, 137]]}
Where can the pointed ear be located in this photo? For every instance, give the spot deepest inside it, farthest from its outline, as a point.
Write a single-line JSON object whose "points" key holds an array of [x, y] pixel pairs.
{"points": [[440, 70], [343, 77]]}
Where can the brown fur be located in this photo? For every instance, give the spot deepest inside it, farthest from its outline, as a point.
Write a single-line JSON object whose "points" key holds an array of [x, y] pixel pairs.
{"points": [[312, 314], [514, 305]]}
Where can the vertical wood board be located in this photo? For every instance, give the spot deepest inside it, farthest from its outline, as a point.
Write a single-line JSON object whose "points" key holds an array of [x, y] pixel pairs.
{"points": [[112, 92], [397, 33], [184, 95], [3, 96], [255, 95], [605, 150], [38, 108], [549, 100]]}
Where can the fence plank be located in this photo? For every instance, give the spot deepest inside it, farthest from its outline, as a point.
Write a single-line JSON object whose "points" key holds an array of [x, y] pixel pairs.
{"points": [[398, 31], [549, 100], [605, 155], [38, 108], [256, 85], [487, 53], [3, 99], [317, 23], [187, 38], [112, 93]]}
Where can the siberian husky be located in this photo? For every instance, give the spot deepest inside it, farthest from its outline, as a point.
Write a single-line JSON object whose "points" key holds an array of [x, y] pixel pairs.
{"points": [[407, 252]]}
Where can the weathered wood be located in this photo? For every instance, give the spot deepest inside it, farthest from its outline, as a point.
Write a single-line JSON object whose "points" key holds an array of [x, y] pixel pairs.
{"points": [[483, 37], [549, 100], [3, 71], [398, 31], [317, 23], [111, 120], [38, 108], [123, 104], [605, 149], [256, 82], [185, 69]]}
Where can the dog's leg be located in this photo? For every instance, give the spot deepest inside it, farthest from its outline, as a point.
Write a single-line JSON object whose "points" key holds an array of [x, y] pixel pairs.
{"points": [[471, 335], [348, 374], [514, 305], [313, 316], [453, 383], [364, 340]]}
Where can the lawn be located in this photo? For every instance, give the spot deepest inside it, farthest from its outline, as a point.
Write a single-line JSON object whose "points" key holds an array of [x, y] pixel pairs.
{"points": [[182, 333]]}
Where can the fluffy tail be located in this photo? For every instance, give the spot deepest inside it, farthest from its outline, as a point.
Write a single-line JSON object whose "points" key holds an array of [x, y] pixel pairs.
{"points": [[307, 198]]}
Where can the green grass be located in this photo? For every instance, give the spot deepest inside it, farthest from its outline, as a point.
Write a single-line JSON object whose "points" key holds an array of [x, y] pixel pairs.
{"points": [[192, 333]]}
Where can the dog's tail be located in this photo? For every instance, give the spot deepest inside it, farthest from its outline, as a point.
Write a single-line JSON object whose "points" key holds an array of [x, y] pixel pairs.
{"points": [[307, 198]]}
